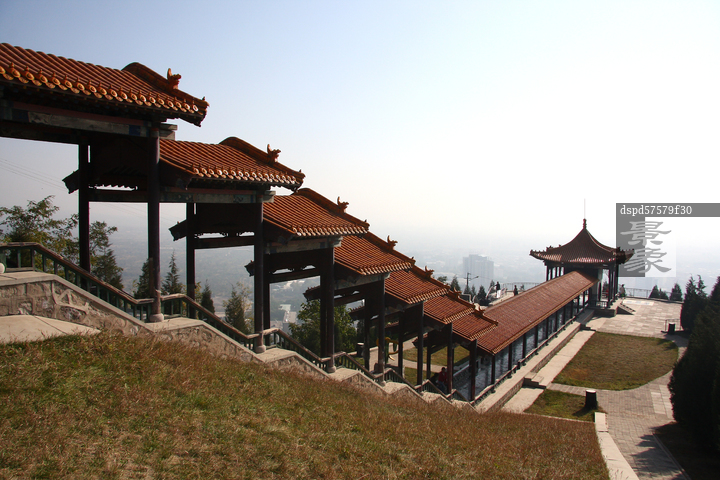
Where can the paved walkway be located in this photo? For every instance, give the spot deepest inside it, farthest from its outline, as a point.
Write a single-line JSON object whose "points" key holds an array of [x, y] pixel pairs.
{"points": [[632, 415], [31, 328]]}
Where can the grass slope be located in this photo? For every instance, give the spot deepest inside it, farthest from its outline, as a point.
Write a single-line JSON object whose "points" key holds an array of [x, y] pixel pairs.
{"points": [[119, 407], [619, 362]]}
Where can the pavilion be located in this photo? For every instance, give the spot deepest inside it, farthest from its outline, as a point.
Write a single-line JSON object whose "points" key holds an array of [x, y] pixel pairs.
{"points": [[585, 254], [127, 153]]}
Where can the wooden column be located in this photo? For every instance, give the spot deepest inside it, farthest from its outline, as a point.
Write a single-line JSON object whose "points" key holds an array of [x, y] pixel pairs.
{"points": [[492, 370], [401, 328], [259, 284], [524, 351], [266, 297], [473, 369], [428, 354], [420, 342], [510, 356], [380, 367], [190, 250], [84, 205], [153, 205], [450, 357], [366, 331], [327, 307]]}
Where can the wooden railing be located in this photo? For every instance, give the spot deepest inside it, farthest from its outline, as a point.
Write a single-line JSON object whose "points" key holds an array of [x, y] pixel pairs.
{"points": [[35, 257]]}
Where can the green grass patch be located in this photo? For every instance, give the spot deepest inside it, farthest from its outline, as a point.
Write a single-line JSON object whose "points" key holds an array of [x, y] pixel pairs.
{"points": [[619, 362], [552, 403], [116, 407]]}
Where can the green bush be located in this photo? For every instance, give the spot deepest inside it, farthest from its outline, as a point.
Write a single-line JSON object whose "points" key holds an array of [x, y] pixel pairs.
{"points": [[695, 382]]}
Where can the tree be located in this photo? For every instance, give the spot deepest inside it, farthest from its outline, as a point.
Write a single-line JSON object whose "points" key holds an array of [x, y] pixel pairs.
{"points": [[102, 258], [308, 332], [36, 224], [658, 293], [141, 287], [206, 300], [694, 303], [455, 285], [172, 283], [676, 293], [481, 294], [695, 381], [237, 306], [442, 278]]}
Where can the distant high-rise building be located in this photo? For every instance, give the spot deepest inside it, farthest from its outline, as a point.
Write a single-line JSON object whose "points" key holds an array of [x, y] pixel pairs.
{"points": [[479, 266]]}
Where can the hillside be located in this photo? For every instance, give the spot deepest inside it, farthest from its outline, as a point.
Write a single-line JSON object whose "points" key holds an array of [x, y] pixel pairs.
{"points": [[119, 407]]}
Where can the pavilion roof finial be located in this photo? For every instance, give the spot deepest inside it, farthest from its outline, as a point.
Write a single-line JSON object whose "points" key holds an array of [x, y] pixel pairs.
{"points": [[584, 223]]}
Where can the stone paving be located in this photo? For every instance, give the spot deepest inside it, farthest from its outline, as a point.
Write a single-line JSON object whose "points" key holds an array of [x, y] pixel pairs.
{"points": [[632, 415]]}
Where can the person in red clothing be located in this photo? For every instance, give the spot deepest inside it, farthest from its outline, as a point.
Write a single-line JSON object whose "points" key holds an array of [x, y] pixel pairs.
{"points": [[442, 380]]}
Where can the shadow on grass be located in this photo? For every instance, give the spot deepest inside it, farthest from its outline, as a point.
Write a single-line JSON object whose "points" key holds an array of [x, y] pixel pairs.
{"points": [[552, 403]]}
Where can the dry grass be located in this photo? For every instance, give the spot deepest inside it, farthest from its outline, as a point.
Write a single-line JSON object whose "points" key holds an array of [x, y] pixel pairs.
{"points": [[619, 362], [118, 407]]}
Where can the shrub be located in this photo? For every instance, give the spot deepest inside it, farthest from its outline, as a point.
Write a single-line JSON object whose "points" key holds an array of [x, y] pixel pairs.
{"points": [[695, 382]]}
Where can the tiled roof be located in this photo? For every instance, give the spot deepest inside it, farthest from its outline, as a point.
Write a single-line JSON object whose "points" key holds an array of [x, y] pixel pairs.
{"points": [[368, 255], [584, 249], [233, 160], [447, 308], [306, 213], [413, 286], [136, 89], [521, 313], [472, 326]]}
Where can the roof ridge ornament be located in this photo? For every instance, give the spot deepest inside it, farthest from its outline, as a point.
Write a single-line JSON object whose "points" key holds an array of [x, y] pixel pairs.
{"points": [[392, 243], [273, 154], [342, 205], [173, 80]]}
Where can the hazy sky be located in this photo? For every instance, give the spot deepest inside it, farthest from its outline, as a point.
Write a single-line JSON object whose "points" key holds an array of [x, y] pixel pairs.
{"points": [[487, 124]]}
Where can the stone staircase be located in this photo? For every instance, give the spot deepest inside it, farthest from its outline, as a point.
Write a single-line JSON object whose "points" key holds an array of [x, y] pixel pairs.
{"points": [[623, 309]]}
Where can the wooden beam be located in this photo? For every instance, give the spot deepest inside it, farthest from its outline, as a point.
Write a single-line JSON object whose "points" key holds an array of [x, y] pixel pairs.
{"points": [[224, 242], [189, 196], [289, 276]]}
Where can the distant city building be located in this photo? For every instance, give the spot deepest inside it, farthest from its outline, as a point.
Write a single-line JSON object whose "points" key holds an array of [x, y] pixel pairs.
{"points": [[479, 266]]}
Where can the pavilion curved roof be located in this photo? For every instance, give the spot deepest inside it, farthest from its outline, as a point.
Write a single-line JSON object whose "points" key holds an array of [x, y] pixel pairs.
{"points": [[447, 308], [135, 91], [473, 326], [231, 161], [414, 285], [308, 214], [519, 314], [583, 249], [369, 255]]}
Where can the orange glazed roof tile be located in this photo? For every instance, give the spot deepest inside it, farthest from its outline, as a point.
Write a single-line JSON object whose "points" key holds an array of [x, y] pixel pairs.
{"points": [[523, 312], [584, 249], [447, 308], [233, 160], [413, 286], [306, 213], [472, 326], [135, 87], [369, 255]]}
